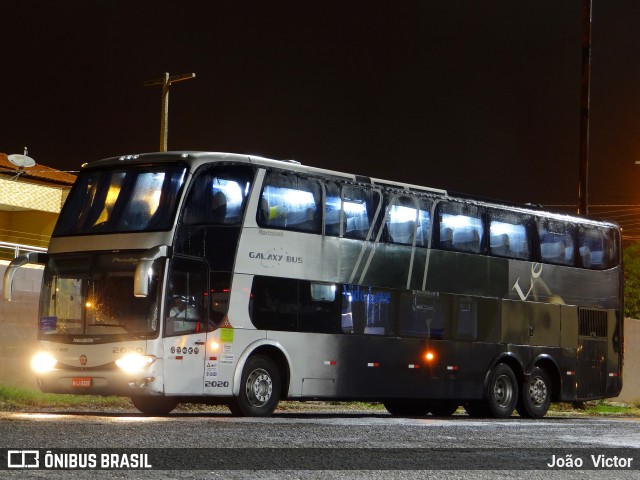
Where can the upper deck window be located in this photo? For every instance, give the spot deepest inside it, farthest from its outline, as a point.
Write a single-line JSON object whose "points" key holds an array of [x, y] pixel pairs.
{"points": [[350, 210], [133, 199], [290, 202], [461, 227], [408, 218], [597, 247], [508, 235], [360, 206], [556, 241], [218, 196]]}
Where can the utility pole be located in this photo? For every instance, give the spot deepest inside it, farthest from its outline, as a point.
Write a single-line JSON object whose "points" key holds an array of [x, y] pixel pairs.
{"points": [[166, 81], [583, 180]]}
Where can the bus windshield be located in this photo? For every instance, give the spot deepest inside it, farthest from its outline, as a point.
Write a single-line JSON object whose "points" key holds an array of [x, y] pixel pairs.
{"points": [[92, 295], [128, 199]]}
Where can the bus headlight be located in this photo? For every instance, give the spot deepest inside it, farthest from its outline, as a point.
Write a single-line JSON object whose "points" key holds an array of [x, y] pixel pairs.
{"points": [[134, 362], [43, 362]]}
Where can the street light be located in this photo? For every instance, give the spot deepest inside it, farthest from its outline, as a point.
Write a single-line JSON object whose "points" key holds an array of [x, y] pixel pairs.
{"points": [[164, 119]]}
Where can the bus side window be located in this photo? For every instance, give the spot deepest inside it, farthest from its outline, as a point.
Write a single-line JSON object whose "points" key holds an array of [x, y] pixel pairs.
{"points": [[597, 247], [186, 307], [346, 312], [368, 310], [401, 221], [556, 242], [420, 315], [360, 206], [508, 235], [274, 303], [218, 196], [461, 227], [290, 202], [319, 308], [408, 217], [380, 311]]}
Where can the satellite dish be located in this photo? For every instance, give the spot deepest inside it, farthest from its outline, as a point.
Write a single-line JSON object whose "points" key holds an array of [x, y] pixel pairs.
{"points": [[21, 161]]}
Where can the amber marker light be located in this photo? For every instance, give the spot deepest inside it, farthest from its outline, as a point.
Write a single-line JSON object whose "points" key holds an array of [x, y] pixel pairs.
{"points": [[214, 346], [429, 356]]}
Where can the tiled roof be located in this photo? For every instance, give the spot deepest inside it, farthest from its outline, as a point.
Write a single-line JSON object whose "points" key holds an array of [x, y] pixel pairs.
{"points": [[38, 173]]}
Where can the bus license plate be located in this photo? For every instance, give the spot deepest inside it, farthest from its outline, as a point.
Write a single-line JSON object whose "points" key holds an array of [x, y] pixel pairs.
{"points": [[81, 382]]}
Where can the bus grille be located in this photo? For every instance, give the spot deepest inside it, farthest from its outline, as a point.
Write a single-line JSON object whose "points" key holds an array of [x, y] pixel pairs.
{"points": [[592, 323], [592, 353]]}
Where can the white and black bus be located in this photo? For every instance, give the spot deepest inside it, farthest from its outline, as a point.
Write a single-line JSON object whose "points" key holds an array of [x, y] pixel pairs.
{"points": [[239, 280]]}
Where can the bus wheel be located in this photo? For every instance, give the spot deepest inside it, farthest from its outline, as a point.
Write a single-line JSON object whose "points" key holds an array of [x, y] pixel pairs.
{"points": [[407, 408], [150, 405], [536, 395], [502, 392], [442, 408], [259, 389]]}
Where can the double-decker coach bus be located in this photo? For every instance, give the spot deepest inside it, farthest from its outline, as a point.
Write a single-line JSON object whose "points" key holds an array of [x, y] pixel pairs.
{"points": [[238, 280]]}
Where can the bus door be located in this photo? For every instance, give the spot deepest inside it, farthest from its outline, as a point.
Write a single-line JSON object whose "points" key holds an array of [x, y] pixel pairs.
{"points": [[185, 327]]}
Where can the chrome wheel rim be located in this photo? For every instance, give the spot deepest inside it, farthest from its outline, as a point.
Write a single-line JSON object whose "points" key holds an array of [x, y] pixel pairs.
{"points": [[259, 387], [538, 391]]}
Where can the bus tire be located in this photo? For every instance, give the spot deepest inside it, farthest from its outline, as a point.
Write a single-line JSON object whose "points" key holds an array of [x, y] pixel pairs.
{"points": [[259, 388], [407, 408], [502, 391], [535, 398], [150, 405], [442, 408]]}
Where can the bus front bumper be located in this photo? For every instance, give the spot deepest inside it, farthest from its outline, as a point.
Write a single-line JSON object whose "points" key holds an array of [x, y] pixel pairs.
{"points": [[102, 382]]}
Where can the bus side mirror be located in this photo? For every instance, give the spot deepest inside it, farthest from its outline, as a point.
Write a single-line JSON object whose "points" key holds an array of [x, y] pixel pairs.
{"points": [[16, 263], [141, 277]]}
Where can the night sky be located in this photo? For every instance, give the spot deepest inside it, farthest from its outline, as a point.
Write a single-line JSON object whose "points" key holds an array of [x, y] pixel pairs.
{"points": [[475, 96]]}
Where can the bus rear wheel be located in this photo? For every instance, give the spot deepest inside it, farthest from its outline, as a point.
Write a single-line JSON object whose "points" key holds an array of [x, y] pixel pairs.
{"points": [[259, 389], [502, 391], [154, 405], [407, 408], [536, 395]]}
